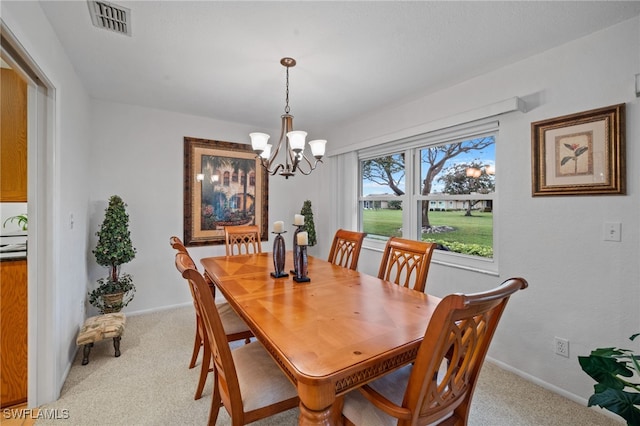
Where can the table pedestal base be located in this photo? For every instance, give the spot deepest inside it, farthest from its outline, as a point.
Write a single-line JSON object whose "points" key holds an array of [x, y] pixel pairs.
{"points": [[328, 417]]}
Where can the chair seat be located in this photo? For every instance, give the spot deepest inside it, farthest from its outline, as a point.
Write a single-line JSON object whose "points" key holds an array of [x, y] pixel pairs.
{"points": [[392, 386], [261, 380], [231, 322]]}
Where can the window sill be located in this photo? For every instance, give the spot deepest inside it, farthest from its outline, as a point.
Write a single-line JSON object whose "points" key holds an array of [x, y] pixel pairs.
{"points": [[449, 259]]}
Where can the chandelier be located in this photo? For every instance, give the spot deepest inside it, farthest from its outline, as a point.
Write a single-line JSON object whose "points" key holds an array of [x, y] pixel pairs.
{"points": [[292, 143]]}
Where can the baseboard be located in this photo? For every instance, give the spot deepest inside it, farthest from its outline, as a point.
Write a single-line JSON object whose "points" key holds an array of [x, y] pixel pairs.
{"points": [[159, 309], [552, 388]]}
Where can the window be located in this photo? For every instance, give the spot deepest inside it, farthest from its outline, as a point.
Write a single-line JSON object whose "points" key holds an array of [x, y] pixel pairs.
{"points": [[383, 191], [436, 188], [457, 182]]}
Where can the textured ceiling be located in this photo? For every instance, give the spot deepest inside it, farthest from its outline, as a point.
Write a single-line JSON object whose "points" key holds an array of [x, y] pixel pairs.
{"points": [[222, 59]]}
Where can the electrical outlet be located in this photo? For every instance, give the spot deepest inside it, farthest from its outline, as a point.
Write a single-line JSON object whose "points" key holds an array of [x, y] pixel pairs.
{"points": [[562, 347]]}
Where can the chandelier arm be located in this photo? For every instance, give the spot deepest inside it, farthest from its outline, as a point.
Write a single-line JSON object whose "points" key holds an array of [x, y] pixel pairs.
{"points": [[299, 163], [266, 164], [274, 171], [305, 173], [293, 157], [312, 167], [274, 154], [308, 162], [287, 126]]}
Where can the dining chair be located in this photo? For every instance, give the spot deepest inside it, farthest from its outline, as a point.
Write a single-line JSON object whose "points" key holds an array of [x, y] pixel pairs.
{"points": [[235, 328], [345, 249], [247, 380], [437, 388], [242, 239], [406, 261], [177, 244]]}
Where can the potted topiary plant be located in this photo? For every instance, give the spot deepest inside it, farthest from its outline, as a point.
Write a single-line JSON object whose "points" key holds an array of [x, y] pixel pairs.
{"points": [[617, 372], [309, 226], [113, 249]]}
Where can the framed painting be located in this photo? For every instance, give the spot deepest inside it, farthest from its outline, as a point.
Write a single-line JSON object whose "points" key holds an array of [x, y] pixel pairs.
{"points": [[224, 185], [580, 154]]}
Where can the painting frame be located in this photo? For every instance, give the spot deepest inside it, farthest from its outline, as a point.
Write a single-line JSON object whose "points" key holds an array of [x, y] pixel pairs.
{"points": [[214, 174], [580, 154]]}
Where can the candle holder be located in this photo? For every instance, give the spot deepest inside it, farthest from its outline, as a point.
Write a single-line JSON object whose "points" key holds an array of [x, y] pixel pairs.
{"points": [[278, 256], [299, 228], [301, 262]]}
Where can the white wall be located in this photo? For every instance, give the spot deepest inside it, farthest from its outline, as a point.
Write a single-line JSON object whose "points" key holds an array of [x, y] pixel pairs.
{"points": [[581, 287], [60, 296]]}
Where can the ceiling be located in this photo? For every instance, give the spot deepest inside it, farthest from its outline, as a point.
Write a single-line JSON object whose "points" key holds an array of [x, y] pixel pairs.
{"points": [[221, 59]]}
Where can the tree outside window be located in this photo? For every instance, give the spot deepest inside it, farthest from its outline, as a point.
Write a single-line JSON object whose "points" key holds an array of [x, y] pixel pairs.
{"points": [[454, 189]]}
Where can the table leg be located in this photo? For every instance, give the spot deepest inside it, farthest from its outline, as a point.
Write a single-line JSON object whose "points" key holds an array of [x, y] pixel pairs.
{"points": [[319, 405], [310, 417]]}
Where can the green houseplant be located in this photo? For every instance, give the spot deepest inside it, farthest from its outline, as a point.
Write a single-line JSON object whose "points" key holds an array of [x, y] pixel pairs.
{"points": [[114, 248], [617, 372], [22, 219], [309, 226]]}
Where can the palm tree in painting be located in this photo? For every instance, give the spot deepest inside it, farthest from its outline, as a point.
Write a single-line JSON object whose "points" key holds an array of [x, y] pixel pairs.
{"points": [[211, 208], [246, 167]]}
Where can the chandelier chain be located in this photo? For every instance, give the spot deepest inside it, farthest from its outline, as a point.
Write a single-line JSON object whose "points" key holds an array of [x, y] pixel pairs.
{"points": [[286, 108]]}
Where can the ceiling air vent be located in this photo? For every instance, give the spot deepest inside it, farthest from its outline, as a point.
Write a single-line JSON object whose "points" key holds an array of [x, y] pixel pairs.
{"points": [[110, 16]]}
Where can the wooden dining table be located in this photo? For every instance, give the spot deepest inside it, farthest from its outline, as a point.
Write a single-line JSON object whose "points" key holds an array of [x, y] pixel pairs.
{"points": [[330, 335]]}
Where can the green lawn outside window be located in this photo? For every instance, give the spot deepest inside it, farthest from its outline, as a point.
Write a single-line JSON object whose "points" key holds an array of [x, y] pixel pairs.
{"points": [[472, 235]]}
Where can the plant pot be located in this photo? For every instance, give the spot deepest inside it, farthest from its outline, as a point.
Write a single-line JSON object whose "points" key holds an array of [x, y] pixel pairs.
{"points": [[112, 302]]}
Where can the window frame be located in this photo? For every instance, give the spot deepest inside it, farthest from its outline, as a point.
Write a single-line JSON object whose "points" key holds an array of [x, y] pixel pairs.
{"points": [[412, 199]]}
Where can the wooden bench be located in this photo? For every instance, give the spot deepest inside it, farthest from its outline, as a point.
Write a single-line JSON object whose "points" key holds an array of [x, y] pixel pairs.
{"points": [[99, 328]]}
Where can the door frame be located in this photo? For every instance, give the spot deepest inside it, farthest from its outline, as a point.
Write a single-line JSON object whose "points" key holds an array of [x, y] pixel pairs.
{"points": [[41, 270]]}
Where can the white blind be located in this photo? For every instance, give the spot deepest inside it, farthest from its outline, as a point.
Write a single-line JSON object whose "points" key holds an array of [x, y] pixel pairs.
{"points": [[407, 134], [451, 135]]}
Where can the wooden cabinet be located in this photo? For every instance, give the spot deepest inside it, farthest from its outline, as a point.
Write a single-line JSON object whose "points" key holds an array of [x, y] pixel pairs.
{"points": [[13, 332], [13, 137]]}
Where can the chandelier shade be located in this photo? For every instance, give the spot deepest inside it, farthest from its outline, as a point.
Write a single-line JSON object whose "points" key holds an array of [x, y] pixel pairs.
{"points": [[292, 143]]}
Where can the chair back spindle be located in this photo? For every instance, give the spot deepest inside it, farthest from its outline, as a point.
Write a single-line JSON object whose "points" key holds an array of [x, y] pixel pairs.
{"points": [[345, 249], [406, 262], [242, 239]]}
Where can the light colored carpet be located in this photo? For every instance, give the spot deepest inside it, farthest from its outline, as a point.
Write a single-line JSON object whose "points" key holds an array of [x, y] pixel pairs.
{"points": [[151, 384]]}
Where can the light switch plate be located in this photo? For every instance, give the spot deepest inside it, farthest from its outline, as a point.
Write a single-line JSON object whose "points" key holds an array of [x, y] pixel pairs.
{"points": [[612, 231]]}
